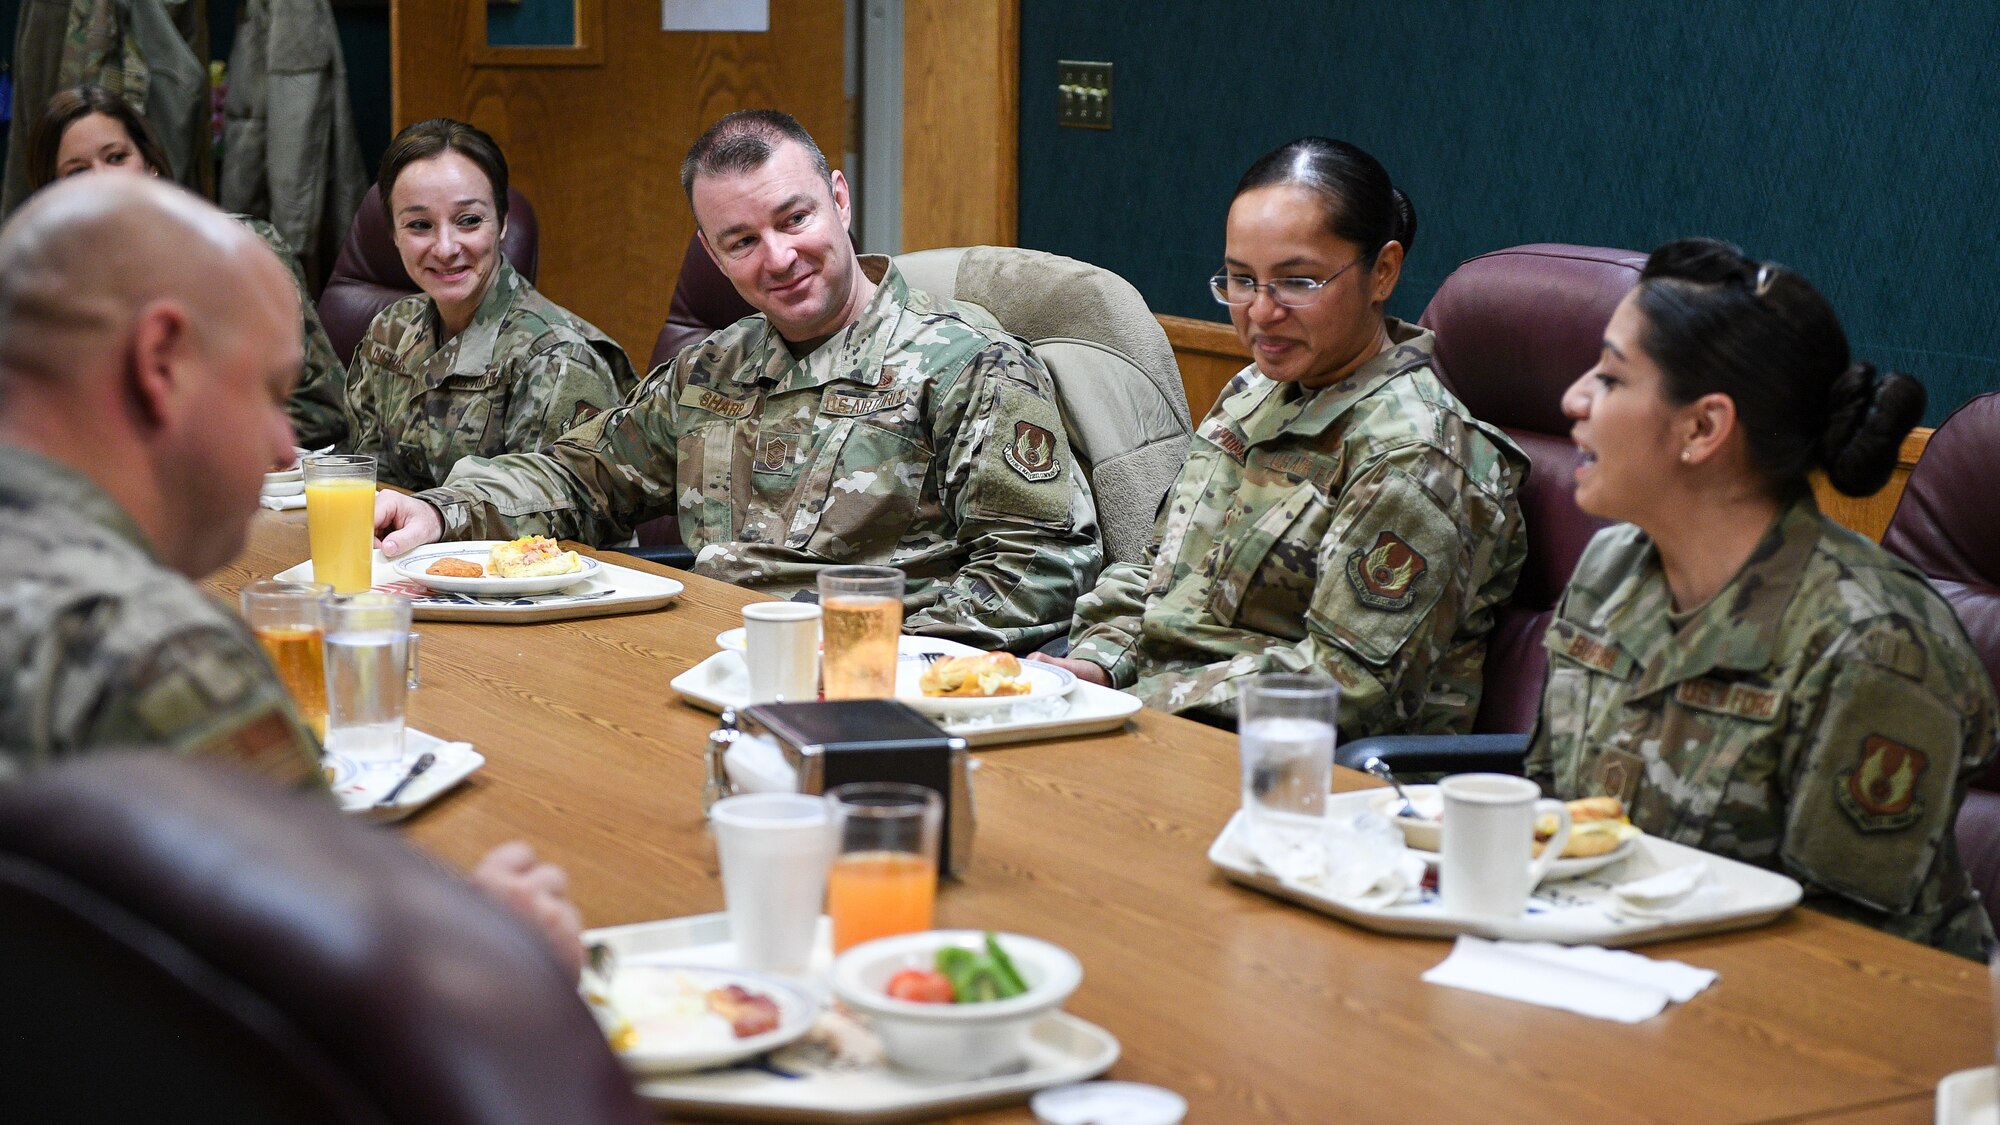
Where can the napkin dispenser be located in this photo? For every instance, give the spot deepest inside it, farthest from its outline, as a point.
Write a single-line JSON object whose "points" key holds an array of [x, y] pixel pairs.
{"points": [[841, 741]]}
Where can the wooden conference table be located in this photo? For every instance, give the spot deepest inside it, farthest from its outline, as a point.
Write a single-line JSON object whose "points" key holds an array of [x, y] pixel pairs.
{"points": [[1253, 1009]]}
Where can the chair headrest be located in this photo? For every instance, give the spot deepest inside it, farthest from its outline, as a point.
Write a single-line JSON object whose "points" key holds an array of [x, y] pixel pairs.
{"points": [[343, 929], [1516, 327], [1943, 524]]}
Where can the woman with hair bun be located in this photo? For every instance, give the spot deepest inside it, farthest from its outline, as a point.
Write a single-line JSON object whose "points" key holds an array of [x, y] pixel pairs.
{"points": [[1748, 676], [478, 362], [1340, 512]]}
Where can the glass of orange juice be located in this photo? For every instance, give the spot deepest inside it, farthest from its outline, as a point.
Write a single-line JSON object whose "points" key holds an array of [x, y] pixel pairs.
{"points": [[884, 875], [340, 520], [287, 618]]}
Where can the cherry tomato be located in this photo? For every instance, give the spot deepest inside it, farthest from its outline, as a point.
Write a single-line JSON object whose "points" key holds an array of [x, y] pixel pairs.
{"points": [[921, 986]]}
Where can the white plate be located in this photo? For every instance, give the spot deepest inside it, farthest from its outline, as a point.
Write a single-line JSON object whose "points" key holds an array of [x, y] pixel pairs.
{"points": [[1968, 1097], [1425, 799], [1061, 1049], [360, 787], [796, 1012], [610, 589], [275, 488], [1578, 911], [411, 566], [722, 681], [1045, 682]]}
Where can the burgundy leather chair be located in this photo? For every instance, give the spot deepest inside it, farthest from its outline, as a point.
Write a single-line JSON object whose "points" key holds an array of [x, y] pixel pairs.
{"points": [[1945, 527], [368, 276], [1514, 329], [704, 300], [183, 942]]}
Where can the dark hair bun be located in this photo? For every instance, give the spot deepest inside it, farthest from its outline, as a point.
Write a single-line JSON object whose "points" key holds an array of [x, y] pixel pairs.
{"points": [[1406, 220], [1868, 416], [1704, 261]]}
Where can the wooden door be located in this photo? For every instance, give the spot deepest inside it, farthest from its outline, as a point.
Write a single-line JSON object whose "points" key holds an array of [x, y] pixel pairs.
{"points": [[595, 139]]}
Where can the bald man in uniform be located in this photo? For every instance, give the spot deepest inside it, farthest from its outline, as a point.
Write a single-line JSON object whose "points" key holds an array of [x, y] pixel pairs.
{"points": [[148, 346]]}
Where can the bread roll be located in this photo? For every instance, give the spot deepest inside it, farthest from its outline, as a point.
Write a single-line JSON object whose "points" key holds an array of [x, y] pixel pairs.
{"points": [[985, 674]]}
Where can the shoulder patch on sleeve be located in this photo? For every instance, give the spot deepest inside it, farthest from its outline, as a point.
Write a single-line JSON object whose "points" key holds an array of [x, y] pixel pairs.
{"points": [[1880, 793], [1032, 453], [1384, 575], [1021, 469]]}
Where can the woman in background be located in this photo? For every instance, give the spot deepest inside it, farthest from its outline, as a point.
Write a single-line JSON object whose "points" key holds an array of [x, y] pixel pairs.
{"points": [[1341, 513], [478, 363], [1747, 675], [88, 129]]}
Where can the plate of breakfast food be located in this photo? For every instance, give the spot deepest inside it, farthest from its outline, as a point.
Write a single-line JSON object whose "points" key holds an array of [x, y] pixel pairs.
{"points": [[666, 1019], [533, 564], [942, 684], [1600, 833]]}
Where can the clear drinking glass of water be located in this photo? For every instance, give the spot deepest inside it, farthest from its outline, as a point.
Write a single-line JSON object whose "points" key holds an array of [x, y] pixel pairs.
{"points": [[1285, 730], [371, 663]]}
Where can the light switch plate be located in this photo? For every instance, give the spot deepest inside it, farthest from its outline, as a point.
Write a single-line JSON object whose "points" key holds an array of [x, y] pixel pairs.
{"points": [[1083, 94]]}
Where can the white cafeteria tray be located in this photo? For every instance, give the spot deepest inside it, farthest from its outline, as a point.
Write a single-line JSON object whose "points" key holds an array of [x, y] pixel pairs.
{"points": [[1969, 1097], [358, 788], [613, 589], [724, 681], [1576, 912], [1061, 1049]]}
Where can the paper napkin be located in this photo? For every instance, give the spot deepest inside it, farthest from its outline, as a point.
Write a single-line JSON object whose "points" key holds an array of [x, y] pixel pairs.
{"points": [[1610, 984], [1363, 861], [283, 503]]}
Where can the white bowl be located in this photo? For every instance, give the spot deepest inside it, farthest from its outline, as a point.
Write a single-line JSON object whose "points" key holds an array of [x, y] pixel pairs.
{"points": [[281, 487], [1423, 833], [953, 1040]]}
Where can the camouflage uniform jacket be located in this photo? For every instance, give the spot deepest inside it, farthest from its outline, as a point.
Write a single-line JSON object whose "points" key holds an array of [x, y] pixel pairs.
{"points": [[1364, 531], [101, 646], [520, 375], [1821, 716], [913, 438], [318, 403]]}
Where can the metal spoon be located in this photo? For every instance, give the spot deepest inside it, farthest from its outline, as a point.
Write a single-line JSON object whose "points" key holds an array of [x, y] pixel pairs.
{"points": [[424, 761], [1380, 768]]}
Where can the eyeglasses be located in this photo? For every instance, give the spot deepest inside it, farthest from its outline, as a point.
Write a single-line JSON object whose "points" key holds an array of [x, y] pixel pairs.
{"points": [[1291, 292]]}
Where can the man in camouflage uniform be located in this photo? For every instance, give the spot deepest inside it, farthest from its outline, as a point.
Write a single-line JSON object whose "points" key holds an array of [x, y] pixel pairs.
{"points": [[1821, 715], [852, 421], [147, 347], [316, 405], [1365, 531], [520, 375]]}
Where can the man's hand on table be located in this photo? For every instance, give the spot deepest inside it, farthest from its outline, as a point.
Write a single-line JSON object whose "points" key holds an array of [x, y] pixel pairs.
{"points": [[409, 522], [1082, 669], [538, 892]]}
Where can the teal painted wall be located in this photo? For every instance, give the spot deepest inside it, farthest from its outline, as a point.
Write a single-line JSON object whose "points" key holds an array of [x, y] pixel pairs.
{"points": [[1855, 142]]}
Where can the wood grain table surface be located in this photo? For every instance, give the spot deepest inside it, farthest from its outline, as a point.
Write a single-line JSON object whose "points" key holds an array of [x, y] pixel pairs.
{"points": [[1253, 1009]]}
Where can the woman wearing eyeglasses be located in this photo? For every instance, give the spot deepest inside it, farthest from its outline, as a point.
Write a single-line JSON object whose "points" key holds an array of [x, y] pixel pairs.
{"points": [[479, 363], [1747, 675], [1340, 512]]}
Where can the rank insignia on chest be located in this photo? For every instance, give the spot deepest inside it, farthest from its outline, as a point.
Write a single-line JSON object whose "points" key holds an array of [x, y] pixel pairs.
{"points": [[1032, 453], [774, 452], [1880, 793], [1385, 576]]}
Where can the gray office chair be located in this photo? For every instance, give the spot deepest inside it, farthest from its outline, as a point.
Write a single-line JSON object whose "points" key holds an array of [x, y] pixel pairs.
{"points": [[1114, 371]]}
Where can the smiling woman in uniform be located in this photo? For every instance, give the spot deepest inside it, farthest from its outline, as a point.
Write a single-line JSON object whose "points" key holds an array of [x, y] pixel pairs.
{"points": [[1340, 513], [1750, 677], [479, 363]]}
